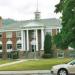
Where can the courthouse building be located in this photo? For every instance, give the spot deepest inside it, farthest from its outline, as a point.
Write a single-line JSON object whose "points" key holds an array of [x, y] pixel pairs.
{"points": [[27, 36]]}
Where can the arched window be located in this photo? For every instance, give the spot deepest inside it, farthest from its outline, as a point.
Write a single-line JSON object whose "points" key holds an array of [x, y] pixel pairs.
{"points": [[19, 46], [0, 45], [9, 44]]}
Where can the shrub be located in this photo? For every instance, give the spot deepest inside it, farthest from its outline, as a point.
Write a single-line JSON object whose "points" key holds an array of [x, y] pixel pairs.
{"points": [[47, 55], [15, 54], [47, 44]]}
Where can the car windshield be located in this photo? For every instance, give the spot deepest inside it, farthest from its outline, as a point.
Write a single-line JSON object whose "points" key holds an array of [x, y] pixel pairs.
{"points": [[72, 62]]}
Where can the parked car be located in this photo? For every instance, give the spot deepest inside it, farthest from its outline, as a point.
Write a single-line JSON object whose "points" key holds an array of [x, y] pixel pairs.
{"points": [[64, 69]]}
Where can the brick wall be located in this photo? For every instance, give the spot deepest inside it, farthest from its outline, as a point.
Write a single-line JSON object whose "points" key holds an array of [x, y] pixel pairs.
{"points": [[4, 40], [1, 22], [4, 49]]}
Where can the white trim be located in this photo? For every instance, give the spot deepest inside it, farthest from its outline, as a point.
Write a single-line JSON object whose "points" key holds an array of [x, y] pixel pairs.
{"points": [[19, 41], [0, 42], [10, 30], [36, 40], [22, 32], [27, 40], [53, 28], [8, 50], [32, 28], [9, 42], [42, 39]]}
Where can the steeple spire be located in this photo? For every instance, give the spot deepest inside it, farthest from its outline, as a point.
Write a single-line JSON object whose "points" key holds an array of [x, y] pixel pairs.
{"points": [[37, 13], [37, 6]]}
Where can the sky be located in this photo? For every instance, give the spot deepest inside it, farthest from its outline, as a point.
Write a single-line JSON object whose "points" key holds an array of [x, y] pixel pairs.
{"points": [[24, 9]]}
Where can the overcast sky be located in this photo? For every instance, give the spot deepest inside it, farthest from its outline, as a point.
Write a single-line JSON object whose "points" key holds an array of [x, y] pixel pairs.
{"points": [[24, 9]]}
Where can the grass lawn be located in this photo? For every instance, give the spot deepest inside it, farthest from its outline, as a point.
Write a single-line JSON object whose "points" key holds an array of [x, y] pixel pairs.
{"points": [[5, 61], [41, 64]]}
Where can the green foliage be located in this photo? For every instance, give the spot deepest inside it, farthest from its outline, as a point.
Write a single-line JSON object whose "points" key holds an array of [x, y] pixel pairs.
{"points": [[59, 42], [68, 21], [72, 44], [41, 64], [47, 55], [57, 39], [5, 61], [59, 6], [47, 44], [14, 54]]}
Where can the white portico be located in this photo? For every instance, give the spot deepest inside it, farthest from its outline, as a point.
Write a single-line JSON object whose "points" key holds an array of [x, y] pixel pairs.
{"points": [[32, 36]]}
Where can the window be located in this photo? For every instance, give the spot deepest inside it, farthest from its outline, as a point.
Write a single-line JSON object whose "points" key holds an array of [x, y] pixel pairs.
{"points": [[33, 48], [0, 45], [19, 46], [9, 46], [0, 35], [72, 63]]}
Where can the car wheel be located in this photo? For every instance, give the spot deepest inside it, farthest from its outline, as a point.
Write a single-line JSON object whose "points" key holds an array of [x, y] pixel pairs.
{"points": [[62, 72]]}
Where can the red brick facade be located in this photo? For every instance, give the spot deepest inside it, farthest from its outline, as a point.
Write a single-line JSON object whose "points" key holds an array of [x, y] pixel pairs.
{"points": [[1, 22], [4, 40]]}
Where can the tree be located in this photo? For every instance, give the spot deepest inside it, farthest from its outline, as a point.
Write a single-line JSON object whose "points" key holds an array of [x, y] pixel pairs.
{"points": [[57, 39], [47, 44], [59, 6], [67, 8]]}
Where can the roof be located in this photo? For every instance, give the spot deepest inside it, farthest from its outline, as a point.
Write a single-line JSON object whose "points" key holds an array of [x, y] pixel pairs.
{"points": [[28, 23], [33, 24]]}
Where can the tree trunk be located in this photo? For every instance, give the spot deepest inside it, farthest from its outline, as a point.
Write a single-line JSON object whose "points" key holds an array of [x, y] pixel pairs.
{"points": [[4, 54]]}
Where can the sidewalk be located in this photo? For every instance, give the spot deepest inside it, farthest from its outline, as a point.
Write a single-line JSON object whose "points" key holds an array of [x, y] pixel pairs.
{"points": [[15, 62], [11, 63], [31, 72]]}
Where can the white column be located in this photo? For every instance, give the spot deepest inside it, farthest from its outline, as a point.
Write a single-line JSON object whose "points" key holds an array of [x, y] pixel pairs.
{"points": [[27, 40], [42, 39], [22, 39], [59, 30], [36, 40]]}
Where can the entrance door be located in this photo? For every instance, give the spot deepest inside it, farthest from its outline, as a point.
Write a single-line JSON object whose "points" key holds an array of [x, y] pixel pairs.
{"points": [[33, 48], [33, 45]]}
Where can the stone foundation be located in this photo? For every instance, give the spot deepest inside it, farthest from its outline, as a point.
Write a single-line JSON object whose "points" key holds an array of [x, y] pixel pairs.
{"points": [[30, 55], [21, 54]]}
